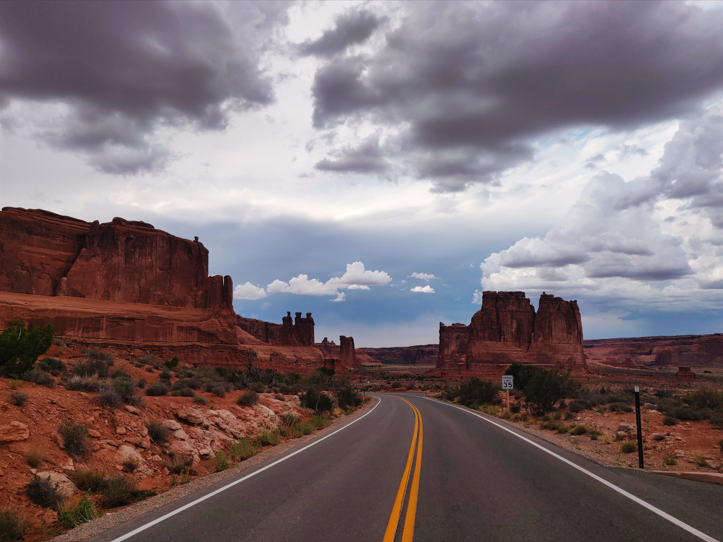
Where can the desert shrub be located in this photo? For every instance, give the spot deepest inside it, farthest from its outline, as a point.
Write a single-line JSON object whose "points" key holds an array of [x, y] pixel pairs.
{"points": [[75, 437], [159, 387], [686, 414], [158, 432], [579, 430], [179, 465], [669, 460], [699, 460], [171, 363], [90, 479], [551, 422], [720, 444], [110, 398], [43, 492], [258, 387], [219, 390], [185, 392], [81, 513], [83, 383], [12, 526], [348, 397], [318, 401], [620, 407], [545, 388], [704, 399], [165, 374], [18, 399], [628, 447], [307, 428], [669, 420], [130, 465], [319, 422], [99, 355], [522, 374], [181, 384], [119, 490], [269, 438], [51, 365], [242, 449], [290, 426], [248, 398], [562, 429], [594, 435], [41, 378], [578, 406], [515, 409], [219, 462], [34, 458], [91, 367], [200, 400], [20, 347], [477, 392]]}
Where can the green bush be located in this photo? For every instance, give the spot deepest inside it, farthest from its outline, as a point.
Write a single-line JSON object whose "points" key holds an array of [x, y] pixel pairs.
{"points": [[477, 392], [99, 355], [51, 365], [269, 438], [562, 429], [716, 419], [90, 479], [83, 512], [578, 406], [242, 449], [108, 397], [219, 462], [579, 430], [545, 388], [318, 401], [669, 420], [348, 397], [126, 388], [91, 367], [620, 407], [20, 347], [669, 460], [687, 414], [258, 387], [248, 398], [18, 399], [119, 490], [200, 400], [158, 432], [43, 492], [628, 447], [12, 526], [171, 363], [522, 374], [75, 437]]}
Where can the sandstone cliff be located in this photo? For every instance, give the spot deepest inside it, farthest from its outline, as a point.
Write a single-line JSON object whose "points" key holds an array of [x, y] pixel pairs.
{"points": [[507, 329], [404, 355], [681, 350], [121, 261], [347, 355]]}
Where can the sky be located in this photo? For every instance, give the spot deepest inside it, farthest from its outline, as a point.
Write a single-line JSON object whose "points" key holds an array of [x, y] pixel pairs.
{"points": [[380, 164]]}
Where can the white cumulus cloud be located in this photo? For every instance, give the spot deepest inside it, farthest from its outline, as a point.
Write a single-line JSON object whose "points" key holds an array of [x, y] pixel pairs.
{"points": [[423, 289], [423, 276], [248, 291], [356, 277]]}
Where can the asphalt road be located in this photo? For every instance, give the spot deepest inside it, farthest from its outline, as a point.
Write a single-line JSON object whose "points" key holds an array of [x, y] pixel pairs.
{"points": [[476, 481]]}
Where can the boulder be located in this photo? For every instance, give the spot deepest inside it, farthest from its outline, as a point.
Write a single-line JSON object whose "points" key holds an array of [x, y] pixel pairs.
{"points": [[64, 486], [658, 436], [191, 415], [14, 431]]}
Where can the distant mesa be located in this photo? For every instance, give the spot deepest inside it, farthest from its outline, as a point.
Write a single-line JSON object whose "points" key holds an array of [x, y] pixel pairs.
{"points": [[507, 329]]}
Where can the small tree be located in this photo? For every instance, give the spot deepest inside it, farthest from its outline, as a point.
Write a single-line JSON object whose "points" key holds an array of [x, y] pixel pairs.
{"points": [[20, 347], [545, 388]]}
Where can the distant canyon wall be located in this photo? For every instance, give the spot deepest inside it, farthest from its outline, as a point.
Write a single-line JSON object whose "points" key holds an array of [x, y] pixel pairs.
{"points": [[507, 329], [675, 351]]}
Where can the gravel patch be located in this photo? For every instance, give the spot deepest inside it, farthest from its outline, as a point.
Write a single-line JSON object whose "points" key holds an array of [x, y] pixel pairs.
{"points": [[121, 515]]}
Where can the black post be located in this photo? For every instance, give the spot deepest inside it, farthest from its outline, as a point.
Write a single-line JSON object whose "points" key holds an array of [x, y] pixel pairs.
{"points": [[640, 428]]}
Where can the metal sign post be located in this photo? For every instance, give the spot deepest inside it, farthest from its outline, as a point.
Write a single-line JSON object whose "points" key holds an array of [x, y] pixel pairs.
{"points": [[507, 384], [640, 429]]}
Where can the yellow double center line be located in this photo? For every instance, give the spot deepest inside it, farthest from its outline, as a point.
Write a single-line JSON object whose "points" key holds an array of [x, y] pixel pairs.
{"points": [[408, 532]]}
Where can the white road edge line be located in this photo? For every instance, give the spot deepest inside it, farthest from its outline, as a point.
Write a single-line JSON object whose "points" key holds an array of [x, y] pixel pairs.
{"points": [[675, 521], [224, 488]]}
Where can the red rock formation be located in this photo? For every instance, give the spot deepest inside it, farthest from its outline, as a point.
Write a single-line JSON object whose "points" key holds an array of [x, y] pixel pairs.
{"points": [[121, 261], [425, 354], [507, 330], [675, 351], [453, 343], [266, 332], [347, 355], [296, 333], [684, 373]]}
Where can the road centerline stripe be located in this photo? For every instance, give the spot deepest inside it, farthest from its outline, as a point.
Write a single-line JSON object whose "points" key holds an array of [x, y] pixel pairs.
{"points": [[235, 482], [408, 533], [393, 523], [641, 502]]}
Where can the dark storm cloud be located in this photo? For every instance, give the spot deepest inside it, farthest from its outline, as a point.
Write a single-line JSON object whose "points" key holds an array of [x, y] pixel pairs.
{"points": [[472, 78], [365, 158], [351, 29], [125, 68]]}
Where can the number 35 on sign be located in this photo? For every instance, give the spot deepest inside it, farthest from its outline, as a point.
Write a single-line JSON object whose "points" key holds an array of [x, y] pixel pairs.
{"points": [[507, 382]]}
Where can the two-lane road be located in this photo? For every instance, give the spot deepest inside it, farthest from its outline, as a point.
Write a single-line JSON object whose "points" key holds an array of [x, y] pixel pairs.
{"points": [[478, 479]]}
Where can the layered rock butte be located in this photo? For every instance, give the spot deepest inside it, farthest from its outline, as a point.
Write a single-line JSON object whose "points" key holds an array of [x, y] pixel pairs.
{"points": [[507, 329], [128, 284]]}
